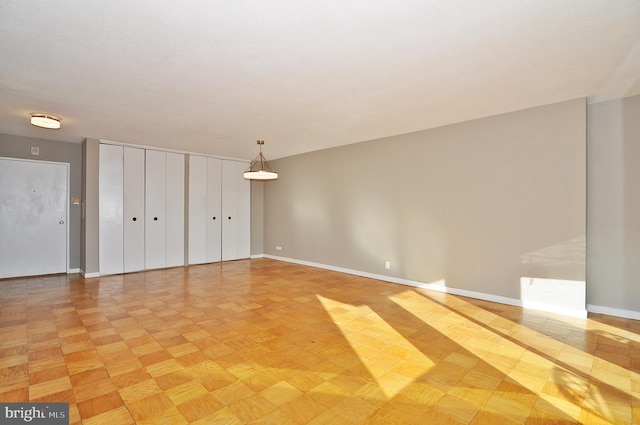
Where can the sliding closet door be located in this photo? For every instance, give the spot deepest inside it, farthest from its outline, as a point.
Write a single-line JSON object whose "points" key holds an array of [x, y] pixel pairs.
{"points": [[155, 205], [230, 212], [197, 209], [110, 212], [133, 209], [175, 210], [214, 210], [243, 189], [235, 211], [205, 215]]}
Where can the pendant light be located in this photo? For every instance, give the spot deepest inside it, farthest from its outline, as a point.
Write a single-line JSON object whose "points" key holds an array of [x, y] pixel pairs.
{"points": [[259, 169], [45, 121]]}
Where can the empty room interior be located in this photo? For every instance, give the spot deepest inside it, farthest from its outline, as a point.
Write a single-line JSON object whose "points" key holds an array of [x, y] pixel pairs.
{"points": [[382, 212]]}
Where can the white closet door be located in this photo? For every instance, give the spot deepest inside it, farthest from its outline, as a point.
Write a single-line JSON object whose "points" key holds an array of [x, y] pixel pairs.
{"points": [[197, 209], [155, 205], [243, 190], [133, 209], [214, 210], [175, 210], [111, 209], [233, 220], [33, 217], [229, 209]]}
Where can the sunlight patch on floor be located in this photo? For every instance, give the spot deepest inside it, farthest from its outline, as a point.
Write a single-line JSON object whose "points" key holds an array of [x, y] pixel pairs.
{"points": [[373, 343], [484, 346], [591, 387]]}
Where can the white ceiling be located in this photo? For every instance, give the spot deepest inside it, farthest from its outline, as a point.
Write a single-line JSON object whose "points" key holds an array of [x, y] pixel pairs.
{"points": [[212, 76]]}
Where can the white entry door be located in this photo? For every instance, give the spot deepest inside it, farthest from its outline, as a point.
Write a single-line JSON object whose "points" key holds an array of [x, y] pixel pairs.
{"points": [[33, 217]]}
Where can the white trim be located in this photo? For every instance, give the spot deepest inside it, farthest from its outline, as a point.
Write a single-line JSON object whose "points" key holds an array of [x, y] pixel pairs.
{"points": [[153, 148], [68, 217], [88, 275], [76, 270], [256, 256], [440, 288], [610, 311]]}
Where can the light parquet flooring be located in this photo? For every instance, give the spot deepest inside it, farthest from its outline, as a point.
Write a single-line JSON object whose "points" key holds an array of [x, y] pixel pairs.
{"points": [[267, 342]]}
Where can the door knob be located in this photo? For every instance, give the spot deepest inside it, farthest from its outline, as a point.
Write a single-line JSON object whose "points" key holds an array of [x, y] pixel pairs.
{"points": [[134, 219]]}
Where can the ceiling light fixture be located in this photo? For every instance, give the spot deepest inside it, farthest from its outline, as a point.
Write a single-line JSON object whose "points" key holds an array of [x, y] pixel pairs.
{"points": [[45, 121], [259, 169]]}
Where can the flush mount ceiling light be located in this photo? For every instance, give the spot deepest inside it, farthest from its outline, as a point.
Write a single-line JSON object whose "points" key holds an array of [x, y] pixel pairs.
{"points": [[45, 121], [259, 169]]}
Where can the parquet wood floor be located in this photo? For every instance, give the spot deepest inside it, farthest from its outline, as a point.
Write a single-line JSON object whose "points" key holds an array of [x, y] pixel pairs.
{"points": [[267, 342]]}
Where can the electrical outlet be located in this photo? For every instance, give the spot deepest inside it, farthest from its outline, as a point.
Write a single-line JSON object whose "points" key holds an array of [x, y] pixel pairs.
{"points": [[387, 265], [278, 248]]}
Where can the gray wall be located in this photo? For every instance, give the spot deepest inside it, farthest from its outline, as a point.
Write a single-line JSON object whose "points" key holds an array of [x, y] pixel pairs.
{"points": [[90, 260], [71, 153], [613, 255], [257, 217], [478, 204]]}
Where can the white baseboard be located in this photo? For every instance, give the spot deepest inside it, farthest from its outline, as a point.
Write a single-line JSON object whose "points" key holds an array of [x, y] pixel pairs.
{"points": [[438, 287], [609, 311], [88, 275], [257, 256], [72, 271]]}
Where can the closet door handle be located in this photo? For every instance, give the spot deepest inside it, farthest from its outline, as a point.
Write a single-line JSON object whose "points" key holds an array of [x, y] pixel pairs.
{"points": [[229, 218], [134, 219], [214, 217], [155, 218]]}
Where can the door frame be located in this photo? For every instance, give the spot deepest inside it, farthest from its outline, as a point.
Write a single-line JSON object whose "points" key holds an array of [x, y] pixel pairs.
{"points": [[67, 199]]}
